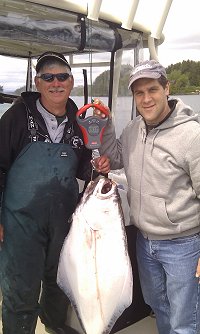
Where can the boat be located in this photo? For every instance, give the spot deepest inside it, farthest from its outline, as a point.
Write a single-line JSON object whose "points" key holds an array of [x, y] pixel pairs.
{"points": [[95, 36]]}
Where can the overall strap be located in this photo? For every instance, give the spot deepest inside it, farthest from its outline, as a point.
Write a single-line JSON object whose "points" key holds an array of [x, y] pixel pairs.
{"points": [[33, 128], [34, 132]]}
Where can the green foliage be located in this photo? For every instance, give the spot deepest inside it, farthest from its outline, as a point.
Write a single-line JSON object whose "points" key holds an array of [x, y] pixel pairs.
{"points": [[179, 82], [101, 84], [184, 77], [124, 80]]}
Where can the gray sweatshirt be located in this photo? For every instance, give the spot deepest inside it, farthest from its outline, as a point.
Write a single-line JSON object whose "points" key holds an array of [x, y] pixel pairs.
{"points": [[163, 172]]}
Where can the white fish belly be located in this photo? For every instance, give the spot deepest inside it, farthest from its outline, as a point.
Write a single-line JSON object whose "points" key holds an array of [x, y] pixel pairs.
{"points": [[95, 270]]}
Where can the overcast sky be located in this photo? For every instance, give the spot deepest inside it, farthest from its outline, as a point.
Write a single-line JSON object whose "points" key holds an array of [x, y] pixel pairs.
{"points": [[182, 42], [182, 33]]}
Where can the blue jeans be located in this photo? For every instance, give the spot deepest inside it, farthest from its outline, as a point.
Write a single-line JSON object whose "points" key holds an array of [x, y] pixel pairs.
{"points": [[167, 275]]}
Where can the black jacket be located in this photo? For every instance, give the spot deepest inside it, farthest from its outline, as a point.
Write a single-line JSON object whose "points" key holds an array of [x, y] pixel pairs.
{"points": [[22, 123]]}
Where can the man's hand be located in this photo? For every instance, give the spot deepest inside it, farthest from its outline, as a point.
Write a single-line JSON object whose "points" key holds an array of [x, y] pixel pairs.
{"points": [[1, 233], [198, 269], [97, 112], [102, 164]]}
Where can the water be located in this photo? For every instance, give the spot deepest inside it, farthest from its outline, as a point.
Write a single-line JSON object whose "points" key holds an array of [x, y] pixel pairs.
{"points": [[3, 108], [191, 100], [124, 108], [124, 103], [123, 111]]}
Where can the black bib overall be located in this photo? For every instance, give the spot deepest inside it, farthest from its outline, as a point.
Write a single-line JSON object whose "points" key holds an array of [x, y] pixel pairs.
{"points": [[41, 194]]}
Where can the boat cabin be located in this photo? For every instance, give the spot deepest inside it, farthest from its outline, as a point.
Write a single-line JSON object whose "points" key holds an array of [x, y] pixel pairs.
{"points": [[102, 40]]}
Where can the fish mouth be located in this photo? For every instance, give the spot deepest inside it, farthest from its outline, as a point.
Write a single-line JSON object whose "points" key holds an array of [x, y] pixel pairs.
{"points": [[101, 187], [107, 186]]}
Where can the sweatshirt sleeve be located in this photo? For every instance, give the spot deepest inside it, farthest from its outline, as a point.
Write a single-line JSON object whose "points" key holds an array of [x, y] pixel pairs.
{"points": [[192, 159], [112, 147]]}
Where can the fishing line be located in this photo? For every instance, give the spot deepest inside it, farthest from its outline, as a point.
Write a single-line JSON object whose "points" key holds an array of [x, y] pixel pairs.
{"points": [[95, 152], [90, 56]]}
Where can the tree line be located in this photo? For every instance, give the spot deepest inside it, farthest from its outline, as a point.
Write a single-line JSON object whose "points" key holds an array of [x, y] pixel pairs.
{"points": [[184, 78]]}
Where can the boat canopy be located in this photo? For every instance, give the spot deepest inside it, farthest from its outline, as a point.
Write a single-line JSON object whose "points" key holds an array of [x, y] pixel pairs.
{"points": [[30, 27], [105, 28]]}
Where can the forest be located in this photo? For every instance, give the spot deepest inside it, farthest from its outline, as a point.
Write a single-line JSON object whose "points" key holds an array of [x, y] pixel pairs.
{"points": [[184, 78]]}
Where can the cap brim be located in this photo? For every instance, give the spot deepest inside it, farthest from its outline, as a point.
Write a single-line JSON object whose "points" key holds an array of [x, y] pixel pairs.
{"points": [[45, 57], [143, 75]]}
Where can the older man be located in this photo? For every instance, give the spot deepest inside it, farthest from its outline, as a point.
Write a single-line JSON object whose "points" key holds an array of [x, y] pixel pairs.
{"points": [[41, 154]]}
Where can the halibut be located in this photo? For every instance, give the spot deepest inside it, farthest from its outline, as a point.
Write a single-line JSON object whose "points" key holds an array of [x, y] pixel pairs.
{"points": [[94, 269]]}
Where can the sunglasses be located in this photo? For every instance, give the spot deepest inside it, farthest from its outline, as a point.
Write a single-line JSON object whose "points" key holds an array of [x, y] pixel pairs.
{"points": [[50, 77]]}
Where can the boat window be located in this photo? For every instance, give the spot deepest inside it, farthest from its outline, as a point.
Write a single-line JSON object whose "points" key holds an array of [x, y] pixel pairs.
{"points": [[97, 69]]}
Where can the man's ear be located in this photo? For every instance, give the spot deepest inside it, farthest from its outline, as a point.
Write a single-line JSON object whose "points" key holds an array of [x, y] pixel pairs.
{"points": [[36, 80], [167, 88]]}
